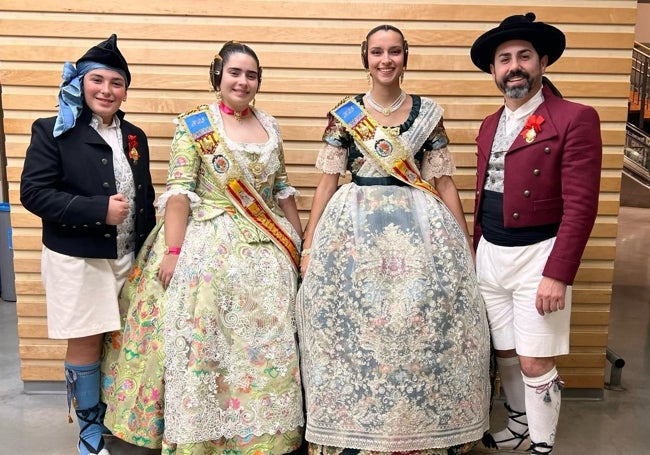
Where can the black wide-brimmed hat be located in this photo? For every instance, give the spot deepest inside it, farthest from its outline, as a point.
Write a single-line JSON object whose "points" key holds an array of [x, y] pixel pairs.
{"points": [[108, 54], [546, 39]]}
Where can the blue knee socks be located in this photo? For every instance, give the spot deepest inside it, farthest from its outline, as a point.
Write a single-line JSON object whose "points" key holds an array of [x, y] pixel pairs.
{"points": [[83, 382]]}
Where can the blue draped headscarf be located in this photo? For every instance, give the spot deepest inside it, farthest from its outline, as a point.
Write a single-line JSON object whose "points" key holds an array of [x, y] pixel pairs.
{"points": [[71, 93]]}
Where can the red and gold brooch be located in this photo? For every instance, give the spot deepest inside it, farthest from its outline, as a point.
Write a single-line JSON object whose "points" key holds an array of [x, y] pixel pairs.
{"points": [[133, 150], [532, 127]]}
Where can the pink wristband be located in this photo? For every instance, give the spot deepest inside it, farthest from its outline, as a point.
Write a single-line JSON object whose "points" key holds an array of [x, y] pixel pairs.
{"points": [[175, 250]]}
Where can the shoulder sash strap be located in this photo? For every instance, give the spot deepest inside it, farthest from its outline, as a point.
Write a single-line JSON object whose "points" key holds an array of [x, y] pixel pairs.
{"points": [[243, 196], [385, 150]]}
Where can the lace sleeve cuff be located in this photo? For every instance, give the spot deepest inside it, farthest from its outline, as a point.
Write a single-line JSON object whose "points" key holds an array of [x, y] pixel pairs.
{"points": [[287, 192], [194, 198], [436, 163], [332, 160]]}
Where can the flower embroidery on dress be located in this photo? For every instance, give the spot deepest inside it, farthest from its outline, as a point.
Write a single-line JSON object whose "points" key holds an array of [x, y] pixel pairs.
{"points": [[532, 127], [133, 151]]}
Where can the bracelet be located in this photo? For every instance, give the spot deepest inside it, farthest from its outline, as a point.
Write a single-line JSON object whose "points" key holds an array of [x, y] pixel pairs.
{"points": [[174, 250], [305, 252]]}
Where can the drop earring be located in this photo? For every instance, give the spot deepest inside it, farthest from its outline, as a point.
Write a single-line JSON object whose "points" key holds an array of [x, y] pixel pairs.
{"points": [[401, 77], [369, 77], [218, 95]]}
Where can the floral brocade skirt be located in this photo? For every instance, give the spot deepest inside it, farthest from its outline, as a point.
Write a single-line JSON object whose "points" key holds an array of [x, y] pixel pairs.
{"points": [[208, 366], [393, 332]]}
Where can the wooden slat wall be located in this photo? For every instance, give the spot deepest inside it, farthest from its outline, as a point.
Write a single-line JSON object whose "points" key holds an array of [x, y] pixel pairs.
{"points": [[310, 53]]}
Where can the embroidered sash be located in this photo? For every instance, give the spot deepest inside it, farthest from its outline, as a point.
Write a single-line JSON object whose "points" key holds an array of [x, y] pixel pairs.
{"points": [[386, 151], [242, 194]]}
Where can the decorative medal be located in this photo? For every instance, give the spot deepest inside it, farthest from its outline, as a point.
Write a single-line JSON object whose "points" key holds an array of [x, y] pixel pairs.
{"points": [[383, 148], [364, 131], [532, 127], [207, 143], [133, 151], [220, 164], [530, 135]]}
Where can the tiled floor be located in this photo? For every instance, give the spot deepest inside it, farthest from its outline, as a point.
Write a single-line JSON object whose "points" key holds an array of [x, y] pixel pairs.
{"points": [[617, 425]]}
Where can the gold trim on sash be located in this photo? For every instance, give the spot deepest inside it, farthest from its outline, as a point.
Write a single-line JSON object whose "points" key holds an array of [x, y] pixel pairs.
{"points": [[248, 200], [243, 196], [379, 144]]}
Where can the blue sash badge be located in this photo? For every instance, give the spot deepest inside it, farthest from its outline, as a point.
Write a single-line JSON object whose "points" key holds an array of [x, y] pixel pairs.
{"points": [[355, 119], [198, 124], [350, 113]]}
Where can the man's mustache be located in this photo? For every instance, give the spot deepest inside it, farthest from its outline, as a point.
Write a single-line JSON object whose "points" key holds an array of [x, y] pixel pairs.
{"points": [[514, 74]]}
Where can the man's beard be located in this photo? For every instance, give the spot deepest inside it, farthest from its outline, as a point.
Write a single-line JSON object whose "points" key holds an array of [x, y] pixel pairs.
{"points": [[519, 91]]}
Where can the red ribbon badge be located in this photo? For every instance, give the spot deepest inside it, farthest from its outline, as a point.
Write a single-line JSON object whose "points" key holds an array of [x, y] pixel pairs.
{"points": [[133, 151], [532, 127]]}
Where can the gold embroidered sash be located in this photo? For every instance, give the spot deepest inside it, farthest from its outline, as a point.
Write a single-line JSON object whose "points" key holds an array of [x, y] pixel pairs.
{"points": [[385, 150], [242, 194]]}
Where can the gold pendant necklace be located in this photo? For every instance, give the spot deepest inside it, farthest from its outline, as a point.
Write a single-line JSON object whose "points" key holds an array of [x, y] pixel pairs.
{"points": [[237, 114]]}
